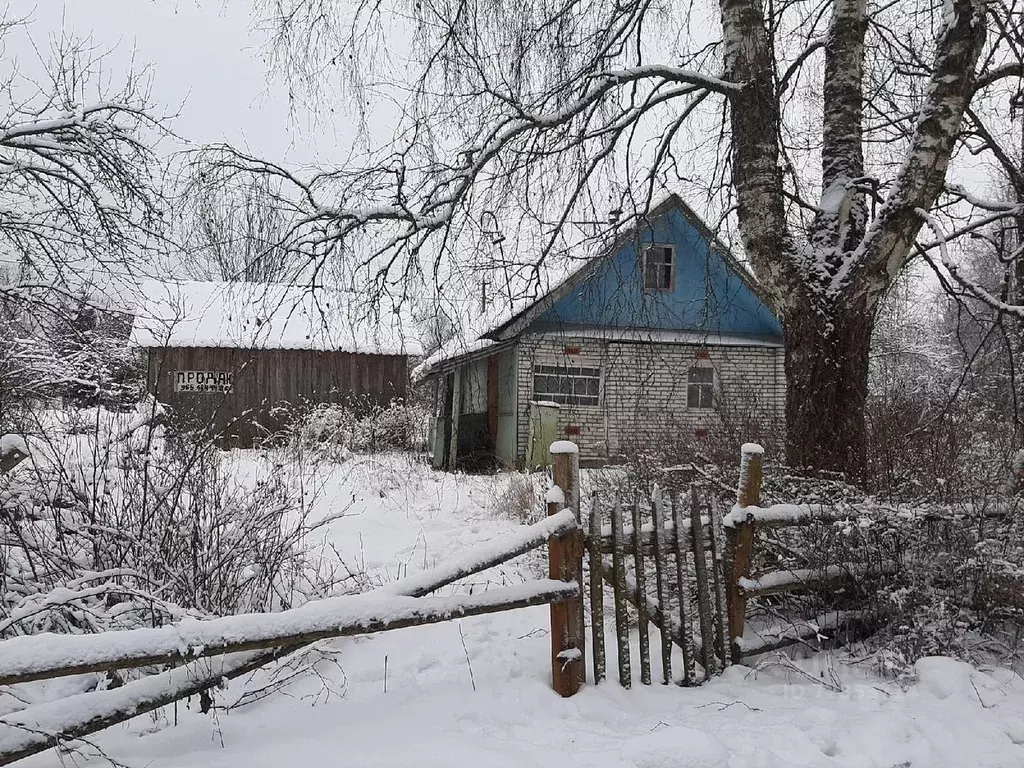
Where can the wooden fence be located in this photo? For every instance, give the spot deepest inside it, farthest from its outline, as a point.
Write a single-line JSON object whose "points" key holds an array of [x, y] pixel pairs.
{"points": [[699, 560], [674, 544], [202, 654]]}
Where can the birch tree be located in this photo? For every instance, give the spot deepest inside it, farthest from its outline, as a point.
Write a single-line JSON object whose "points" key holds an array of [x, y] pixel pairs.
{"points": [[825, 130]]}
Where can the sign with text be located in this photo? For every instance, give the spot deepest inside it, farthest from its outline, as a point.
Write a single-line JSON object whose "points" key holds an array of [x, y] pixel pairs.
{"points": [[208, 382]]}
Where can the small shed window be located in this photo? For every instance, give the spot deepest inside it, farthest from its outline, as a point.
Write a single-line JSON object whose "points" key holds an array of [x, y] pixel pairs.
{"points": [[567, 385], [700, 387], [659, 268]]}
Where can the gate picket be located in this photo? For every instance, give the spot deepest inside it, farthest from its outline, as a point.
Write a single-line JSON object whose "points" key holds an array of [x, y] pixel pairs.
{"points": [[619, 587], [596, 591], [683, 590], [641, 603], [661, 548], [700, 571]]}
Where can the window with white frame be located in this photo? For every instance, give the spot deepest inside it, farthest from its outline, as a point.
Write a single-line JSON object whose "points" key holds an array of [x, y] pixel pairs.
{"points": [[659, 268], [700, 387], [567, 384]]}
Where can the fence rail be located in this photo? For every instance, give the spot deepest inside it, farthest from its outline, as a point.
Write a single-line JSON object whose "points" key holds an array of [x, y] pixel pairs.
{"points": [[741, 525], [209, 652]]}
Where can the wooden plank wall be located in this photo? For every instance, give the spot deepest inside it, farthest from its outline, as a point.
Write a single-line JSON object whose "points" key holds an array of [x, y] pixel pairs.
{"points": [[264, 379]]}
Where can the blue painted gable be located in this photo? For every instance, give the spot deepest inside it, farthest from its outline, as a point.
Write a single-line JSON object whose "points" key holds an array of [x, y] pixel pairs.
{"points": [[708, 296]]}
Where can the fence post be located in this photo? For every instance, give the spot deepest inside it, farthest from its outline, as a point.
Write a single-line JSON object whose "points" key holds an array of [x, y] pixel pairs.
{"points": [[739, 541], [565, 563]]}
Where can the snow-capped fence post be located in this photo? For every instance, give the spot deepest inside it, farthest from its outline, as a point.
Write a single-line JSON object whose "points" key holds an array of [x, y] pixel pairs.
{"points": [[565, 563], [739, 541]]}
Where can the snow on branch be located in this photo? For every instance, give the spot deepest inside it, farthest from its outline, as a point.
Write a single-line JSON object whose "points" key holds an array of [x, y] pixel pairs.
{"points": [[888, 241], [399, 201], [671, 74], [972, 287], [1005, 206]]}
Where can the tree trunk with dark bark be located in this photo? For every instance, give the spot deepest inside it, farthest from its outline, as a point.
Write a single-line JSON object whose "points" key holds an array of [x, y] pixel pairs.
{"points": [[827, 386]]}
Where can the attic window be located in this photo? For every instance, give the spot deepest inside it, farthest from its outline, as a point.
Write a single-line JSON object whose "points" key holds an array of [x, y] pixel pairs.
{"points": [[659, 268]]}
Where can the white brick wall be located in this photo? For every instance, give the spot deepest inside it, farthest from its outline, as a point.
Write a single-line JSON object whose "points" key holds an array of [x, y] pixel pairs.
{"points": [[644, 387]]}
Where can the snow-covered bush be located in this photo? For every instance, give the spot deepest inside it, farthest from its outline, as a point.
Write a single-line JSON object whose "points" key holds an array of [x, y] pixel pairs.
{"points": [[955, 584], [358, 428], [65, 348], [120, 527], [516, 495]]}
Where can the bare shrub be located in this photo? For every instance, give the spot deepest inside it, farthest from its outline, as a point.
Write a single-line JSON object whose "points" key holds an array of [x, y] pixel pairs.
{"points": [[359, 428], [120, 528], [930, 446], [516, 496], [954, 583]]}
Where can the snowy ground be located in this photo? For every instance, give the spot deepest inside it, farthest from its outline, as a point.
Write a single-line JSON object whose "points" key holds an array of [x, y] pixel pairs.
{"points": [[477, 692]]}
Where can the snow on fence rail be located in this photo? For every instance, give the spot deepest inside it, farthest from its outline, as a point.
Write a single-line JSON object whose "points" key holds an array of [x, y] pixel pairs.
{"points": [[38, 657], [740, 526], [221, 648]]}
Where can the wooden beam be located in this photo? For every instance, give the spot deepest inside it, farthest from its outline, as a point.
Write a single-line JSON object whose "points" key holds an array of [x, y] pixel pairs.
{"points": [[351, 617], [778, 582], [37, 728]]}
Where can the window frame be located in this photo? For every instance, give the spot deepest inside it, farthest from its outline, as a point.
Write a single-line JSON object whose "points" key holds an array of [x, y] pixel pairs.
{"points": [[672, 268], [710, 387], [563, 370]]}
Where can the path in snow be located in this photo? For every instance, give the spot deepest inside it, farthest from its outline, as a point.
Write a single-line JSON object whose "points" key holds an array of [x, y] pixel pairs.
{"points": [[432, 716]]}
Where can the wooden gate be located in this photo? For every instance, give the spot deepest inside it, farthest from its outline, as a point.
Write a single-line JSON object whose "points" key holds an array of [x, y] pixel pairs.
{"points": [[675, 582]]}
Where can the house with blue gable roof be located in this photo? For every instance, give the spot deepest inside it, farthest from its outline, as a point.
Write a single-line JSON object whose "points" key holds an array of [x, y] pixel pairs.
{"points": [[661, 338]]}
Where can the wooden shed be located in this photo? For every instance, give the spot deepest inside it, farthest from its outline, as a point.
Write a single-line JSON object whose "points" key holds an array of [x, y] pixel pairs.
{"points": [[238, 359]]}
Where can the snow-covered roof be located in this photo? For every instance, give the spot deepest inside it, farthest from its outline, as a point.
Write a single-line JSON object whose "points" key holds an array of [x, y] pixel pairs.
{"points": [[267, 316]]}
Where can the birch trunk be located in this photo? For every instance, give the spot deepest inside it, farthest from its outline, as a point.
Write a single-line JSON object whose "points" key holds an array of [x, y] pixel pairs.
{"points": [[827, 387]]}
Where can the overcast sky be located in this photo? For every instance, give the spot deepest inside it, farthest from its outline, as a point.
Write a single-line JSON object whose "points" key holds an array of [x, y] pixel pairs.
{"points": [[207, 63]]}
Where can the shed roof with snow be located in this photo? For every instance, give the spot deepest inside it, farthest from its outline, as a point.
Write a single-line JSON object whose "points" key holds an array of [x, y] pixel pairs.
{"points": [[252, 316]]}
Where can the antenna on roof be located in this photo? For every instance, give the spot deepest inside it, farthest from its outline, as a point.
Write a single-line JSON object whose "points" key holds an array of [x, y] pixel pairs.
{"points": [[613, 218]]}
